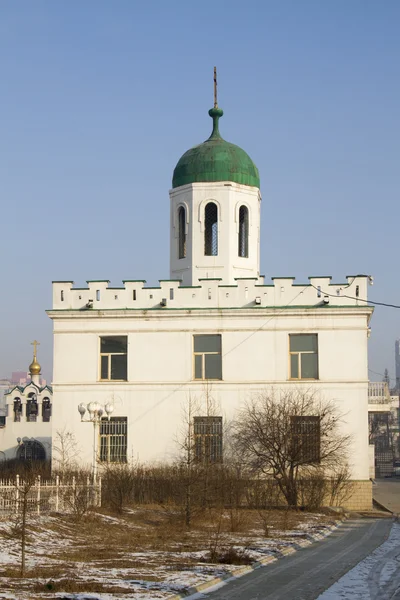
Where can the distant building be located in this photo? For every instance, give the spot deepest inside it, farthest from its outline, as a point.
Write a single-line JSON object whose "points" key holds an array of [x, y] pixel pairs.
{"points": [[397, 362], [19, 377], [5, 385]]}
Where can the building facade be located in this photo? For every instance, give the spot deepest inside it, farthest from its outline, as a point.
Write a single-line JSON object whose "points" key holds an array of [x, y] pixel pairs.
{"points": [[216, 327]]}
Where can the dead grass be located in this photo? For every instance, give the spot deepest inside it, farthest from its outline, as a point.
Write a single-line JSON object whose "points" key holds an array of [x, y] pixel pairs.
{"points": [[144, 544]]}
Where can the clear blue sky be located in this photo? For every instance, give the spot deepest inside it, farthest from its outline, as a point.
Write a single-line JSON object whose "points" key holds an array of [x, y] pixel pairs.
{"points": [[100, 98]]}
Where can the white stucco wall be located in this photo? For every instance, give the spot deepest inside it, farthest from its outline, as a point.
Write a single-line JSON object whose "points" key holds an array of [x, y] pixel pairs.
{"points": [[255, 351], [228, 197]]}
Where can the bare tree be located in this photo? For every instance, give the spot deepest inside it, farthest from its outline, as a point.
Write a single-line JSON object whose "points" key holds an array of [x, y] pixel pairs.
{"points": [[65, 450], [288, 435], [25, 504], [197, 456], [187, 452]]}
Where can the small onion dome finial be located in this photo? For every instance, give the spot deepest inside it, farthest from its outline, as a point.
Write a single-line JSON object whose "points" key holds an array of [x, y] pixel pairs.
{"points": [[215, 113], [34, 367]]}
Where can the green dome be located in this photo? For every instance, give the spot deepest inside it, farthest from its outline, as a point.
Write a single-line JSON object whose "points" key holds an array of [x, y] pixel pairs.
{"points": [[215, 160]]}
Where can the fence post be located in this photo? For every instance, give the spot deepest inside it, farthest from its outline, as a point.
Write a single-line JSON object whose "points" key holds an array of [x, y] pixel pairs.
{"points": [[17, 493], [57, 491], [38, 494]]}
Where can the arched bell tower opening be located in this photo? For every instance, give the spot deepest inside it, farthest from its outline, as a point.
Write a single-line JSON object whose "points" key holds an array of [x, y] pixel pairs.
{"points": [[211, 229]]}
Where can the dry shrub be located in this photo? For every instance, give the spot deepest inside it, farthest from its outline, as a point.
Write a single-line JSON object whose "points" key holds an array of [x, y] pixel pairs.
{"points": [[228, 556], [312, 490], [118, 484]]}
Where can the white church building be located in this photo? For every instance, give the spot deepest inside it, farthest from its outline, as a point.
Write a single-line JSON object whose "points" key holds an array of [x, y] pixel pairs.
{"points": [[27, 430], [139, 353]]}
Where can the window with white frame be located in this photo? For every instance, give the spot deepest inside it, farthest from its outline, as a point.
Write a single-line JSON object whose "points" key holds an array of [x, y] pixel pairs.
{"points": [[114, 439], [113, 358], [208, 439], [303, 350], [207, 356], [306, 439]]}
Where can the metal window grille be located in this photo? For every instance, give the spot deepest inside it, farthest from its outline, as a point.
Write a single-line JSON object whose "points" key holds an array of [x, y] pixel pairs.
{"points": [[243, 232], [208, 439], [306, 439], [113, 358], [181, 232], [303, 350], [211, 230], [114, 439]]}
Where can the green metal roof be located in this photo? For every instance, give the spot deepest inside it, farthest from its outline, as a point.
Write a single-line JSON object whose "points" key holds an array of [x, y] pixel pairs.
{"points": [[215, 160]]}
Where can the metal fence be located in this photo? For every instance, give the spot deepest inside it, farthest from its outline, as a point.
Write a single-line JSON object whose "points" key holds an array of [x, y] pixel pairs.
{"points": [[73, 496]]}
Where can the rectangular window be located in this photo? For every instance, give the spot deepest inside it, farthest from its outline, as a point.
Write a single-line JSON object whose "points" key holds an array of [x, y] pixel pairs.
{"points": [[113, 358], [306, 439], [114, 440], [207, 357], [303, 349], [208, 439]]}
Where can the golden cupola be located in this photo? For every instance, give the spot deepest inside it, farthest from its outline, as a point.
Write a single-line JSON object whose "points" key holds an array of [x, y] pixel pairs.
{"points": [[34, 367]]}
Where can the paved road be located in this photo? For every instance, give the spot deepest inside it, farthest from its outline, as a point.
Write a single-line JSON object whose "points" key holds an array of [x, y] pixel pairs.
{"points": [[307, 573], [387, 493], [377, 577]]}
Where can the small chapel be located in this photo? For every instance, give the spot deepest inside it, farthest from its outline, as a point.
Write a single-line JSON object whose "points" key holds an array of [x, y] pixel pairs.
{"points": [[27, 430], [127, 360]]}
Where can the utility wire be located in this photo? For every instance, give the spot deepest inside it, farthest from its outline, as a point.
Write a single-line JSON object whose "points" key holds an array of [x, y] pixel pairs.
{"points": [[322, 292], [182, 385]]}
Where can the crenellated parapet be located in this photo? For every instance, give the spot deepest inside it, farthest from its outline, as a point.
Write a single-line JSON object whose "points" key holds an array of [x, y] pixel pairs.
{"points": [[210, 293]]}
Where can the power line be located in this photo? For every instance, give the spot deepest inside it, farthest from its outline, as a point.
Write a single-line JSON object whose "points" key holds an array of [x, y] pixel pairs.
{"points": [[182, 385], [355, 298]]}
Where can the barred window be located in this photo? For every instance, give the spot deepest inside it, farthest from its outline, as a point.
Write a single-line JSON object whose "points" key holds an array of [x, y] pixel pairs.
{"points": [[31, 408], [17, 409], [243, 249], [208, 439], [211, 230], [207, 357], [114, 439], [306, 439], [181, 232], [303, 356], [113, 358], [46, 410]]}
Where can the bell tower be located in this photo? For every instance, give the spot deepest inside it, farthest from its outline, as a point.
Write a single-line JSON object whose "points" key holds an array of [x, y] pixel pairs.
{"points": [[215, 211]]}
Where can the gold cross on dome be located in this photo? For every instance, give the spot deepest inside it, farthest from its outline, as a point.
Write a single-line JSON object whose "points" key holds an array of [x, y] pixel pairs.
{"points": [[35, 344]]}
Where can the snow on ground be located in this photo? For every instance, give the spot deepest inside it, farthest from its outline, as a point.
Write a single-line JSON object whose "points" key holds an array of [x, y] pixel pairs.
{"points": [[377, 577], [108, 568]]}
